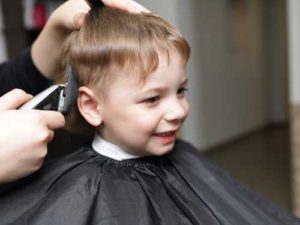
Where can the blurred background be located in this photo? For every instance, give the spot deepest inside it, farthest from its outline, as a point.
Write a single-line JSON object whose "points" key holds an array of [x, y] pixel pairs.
{"points": [[244, 88]]}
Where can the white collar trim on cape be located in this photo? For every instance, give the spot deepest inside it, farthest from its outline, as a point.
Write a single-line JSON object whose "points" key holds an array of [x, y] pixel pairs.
{"points": [[110, 150]]}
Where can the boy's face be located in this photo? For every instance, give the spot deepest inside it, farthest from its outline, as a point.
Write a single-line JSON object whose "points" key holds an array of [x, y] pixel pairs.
{"points": [[144, 118]]}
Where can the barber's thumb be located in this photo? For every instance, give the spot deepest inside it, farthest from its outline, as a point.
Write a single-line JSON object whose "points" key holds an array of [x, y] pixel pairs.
{"points": [[13, 99], [78, 20]]}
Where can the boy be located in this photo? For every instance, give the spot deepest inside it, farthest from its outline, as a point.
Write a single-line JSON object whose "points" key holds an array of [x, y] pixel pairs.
{"points": [[132, 77], [133, 92]]}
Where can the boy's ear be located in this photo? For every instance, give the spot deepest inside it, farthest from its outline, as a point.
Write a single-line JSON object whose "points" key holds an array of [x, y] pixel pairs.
{"points": [[89, 106]]}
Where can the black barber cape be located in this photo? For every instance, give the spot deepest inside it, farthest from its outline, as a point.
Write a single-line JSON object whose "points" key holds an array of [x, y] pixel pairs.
{"points": [[86, 188]]}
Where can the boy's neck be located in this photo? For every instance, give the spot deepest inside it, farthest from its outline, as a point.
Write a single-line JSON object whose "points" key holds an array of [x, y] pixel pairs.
{"points": [[110, 150]]}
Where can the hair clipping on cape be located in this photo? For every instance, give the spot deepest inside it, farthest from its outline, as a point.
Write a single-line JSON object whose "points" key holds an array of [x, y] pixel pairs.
{"points": [[95, 3]]}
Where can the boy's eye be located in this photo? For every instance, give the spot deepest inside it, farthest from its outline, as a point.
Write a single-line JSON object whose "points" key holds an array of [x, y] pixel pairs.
{"points": [[152, 99], [182, 91]]}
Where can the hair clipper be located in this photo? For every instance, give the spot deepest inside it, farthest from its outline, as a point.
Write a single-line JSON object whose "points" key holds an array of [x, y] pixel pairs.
{"points": [[59, 97]]}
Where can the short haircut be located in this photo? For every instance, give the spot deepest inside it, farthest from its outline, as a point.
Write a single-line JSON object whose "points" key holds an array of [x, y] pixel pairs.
{"points": [[112, 41]]}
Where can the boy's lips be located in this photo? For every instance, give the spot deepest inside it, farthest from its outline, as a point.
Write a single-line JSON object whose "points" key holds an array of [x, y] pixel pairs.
{"points": [[166, 137]]}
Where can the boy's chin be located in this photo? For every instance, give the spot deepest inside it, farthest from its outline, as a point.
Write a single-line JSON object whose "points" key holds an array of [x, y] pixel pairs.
{"points": [[162, 149]]}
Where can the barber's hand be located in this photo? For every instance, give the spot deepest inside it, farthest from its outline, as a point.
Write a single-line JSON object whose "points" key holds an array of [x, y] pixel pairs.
{"points": [[46, 50], [24, 135], [70, 15], [127, 5]]}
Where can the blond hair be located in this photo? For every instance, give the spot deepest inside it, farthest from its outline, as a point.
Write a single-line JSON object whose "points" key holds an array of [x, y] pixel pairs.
{"points": [[113, 41]]}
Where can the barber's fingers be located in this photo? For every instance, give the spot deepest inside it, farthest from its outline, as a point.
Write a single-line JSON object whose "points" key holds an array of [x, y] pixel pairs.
{"points": [[78, 20], [50, 136], [13, 99], [127, 5], [78, 10], [54, 120], [17, 97]]}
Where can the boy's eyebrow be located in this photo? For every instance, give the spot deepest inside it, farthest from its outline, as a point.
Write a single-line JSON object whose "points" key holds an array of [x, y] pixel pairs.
{"points": [[154, 89], [163, 88]]}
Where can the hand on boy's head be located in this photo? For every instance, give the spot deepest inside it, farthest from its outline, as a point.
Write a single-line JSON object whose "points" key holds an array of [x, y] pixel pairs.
{"points": [[71, 14], [23, 136], [127, 5], [46, 50]]}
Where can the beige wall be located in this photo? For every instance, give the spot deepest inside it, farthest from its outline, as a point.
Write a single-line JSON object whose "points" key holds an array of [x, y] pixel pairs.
{"points": [[294, 91]]}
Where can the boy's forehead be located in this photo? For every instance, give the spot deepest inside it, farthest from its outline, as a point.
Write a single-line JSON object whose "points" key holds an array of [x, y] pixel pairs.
{"points": [[167, 70], [125, 84]]}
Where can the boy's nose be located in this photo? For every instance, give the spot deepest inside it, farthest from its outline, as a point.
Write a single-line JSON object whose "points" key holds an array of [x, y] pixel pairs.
{"points": [[178, 110]]}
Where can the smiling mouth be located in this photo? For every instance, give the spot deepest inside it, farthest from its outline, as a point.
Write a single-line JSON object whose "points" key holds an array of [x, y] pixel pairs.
{"points": [[165, 134], [165, 137]]}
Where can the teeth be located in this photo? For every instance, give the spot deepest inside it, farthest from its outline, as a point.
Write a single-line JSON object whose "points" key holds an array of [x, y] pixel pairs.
{"points": [[165, 134]]}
